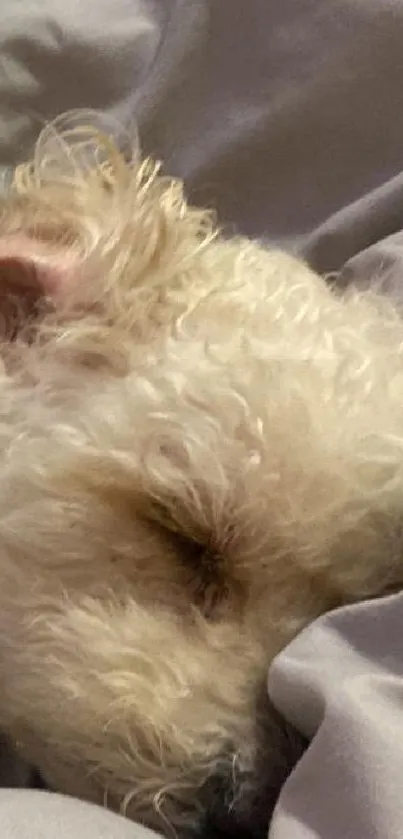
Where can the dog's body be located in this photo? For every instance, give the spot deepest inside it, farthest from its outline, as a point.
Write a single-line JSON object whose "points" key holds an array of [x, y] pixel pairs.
{"points": [[201, 451]]}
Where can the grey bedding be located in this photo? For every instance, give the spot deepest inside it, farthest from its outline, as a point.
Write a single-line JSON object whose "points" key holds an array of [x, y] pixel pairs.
{"points": [[288, 118]]}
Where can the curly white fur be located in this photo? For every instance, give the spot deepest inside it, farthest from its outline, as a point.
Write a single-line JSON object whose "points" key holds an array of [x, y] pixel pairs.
{"points": [[201, 449]]}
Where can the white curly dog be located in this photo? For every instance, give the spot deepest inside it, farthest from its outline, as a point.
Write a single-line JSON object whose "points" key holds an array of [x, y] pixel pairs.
{"points": [[201, 450]]}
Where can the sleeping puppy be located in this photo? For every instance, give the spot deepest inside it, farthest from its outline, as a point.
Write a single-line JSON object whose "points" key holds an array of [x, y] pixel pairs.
{"points": [[201, 450]]}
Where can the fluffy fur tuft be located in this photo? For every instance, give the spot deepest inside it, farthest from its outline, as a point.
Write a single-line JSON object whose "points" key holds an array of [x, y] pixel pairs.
{"points": [[201, 449]]}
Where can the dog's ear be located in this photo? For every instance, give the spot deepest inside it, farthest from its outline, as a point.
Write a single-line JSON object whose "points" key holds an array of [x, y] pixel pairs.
{"points": [[31, 274], [33, 267]]}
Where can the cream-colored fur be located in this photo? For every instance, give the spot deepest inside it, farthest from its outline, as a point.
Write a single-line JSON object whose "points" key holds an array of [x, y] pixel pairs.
{"points": [[201, 449]]}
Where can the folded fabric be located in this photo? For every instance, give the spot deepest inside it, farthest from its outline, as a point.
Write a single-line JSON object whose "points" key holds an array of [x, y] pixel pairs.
{"points": [[29, 814], [341, 684]]}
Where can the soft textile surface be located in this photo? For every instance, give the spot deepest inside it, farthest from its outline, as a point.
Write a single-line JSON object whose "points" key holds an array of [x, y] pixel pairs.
{"points": [[27, 814], [288, 118], [341, 683]]}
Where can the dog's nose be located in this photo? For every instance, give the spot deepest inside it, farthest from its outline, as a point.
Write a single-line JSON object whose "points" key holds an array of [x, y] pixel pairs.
{"points": [[224, 819], [238, 803]]}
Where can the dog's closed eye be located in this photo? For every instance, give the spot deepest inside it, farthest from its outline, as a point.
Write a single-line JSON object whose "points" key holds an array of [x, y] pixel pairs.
{"points": [[207, 574], [202, 558]]}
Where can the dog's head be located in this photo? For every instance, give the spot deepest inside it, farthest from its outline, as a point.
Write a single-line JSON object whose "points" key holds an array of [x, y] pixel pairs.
{"points": [[133, 670]]}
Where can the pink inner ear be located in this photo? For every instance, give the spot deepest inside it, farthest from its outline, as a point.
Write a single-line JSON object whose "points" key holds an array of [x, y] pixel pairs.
{"points": [[33, 268]]}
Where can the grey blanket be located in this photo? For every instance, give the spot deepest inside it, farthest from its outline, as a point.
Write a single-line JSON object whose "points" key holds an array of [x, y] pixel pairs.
{"points": [[287, 117]]}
